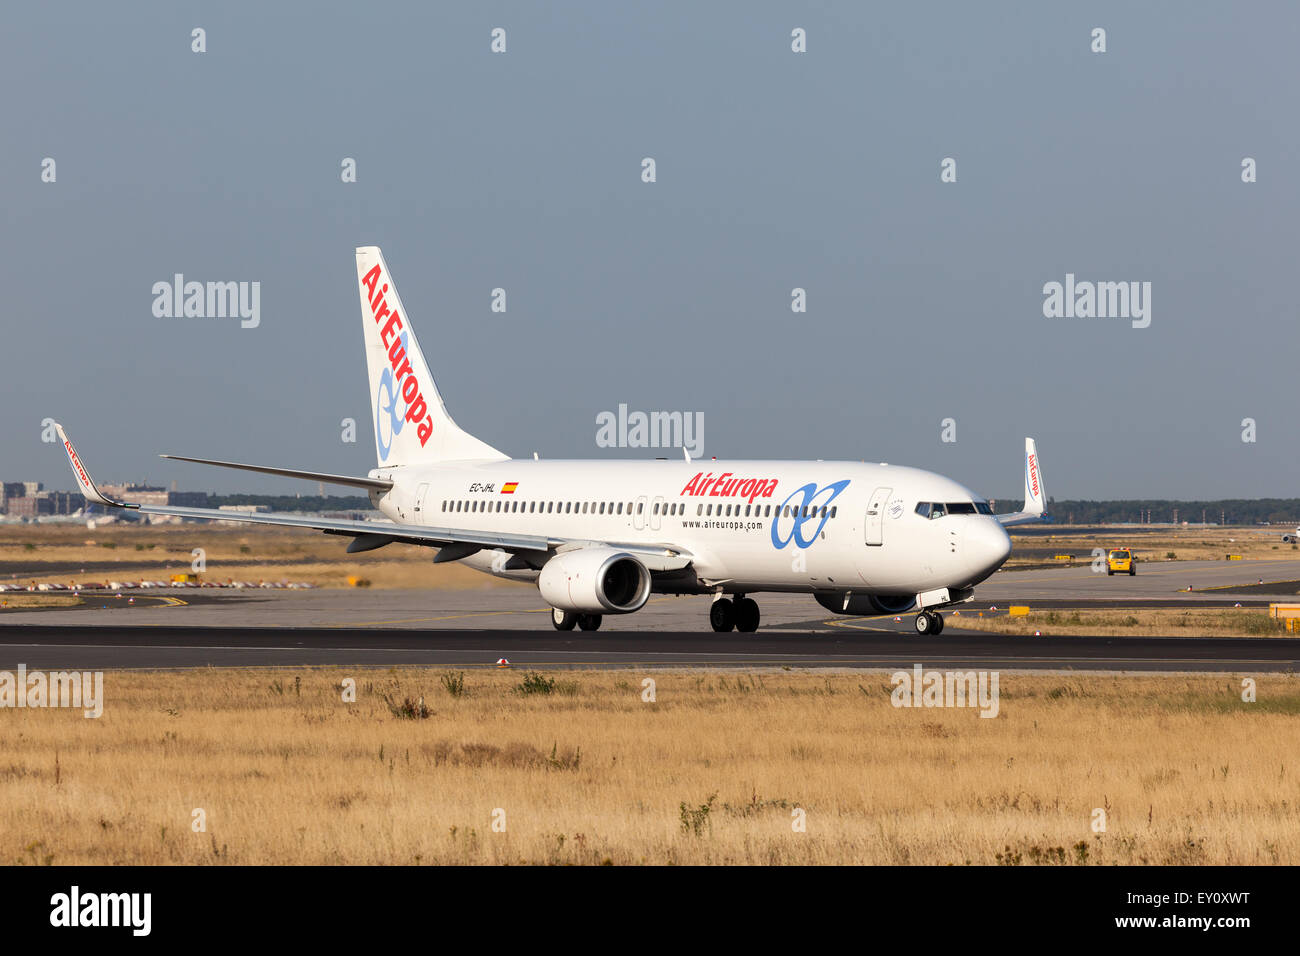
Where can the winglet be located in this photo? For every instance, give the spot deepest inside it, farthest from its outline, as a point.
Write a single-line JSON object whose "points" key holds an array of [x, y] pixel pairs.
{"points": [[88, 488], [1035, 497]]}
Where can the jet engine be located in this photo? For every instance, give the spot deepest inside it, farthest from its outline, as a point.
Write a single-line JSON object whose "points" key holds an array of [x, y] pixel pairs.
{"points": [[595, 581]]}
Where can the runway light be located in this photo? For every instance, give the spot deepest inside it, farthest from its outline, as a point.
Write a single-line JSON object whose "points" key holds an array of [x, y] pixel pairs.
{"points": [[1038, 633], [503, 663], [993, 607], [897, 619], [1238, 604]]}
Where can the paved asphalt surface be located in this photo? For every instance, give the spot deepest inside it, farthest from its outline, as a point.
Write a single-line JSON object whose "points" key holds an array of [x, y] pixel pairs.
{"points": [[107, 647], [381, 628]]}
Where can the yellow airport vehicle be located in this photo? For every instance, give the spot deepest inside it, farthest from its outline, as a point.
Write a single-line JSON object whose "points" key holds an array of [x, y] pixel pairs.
{"points": [[1120, 560]]}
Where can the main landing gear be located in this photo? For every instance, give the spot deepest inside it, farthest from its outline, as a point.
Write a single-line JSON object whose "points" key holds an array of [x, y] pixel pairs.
{"points": [[565, 620], [741, 614], [929, 622]]}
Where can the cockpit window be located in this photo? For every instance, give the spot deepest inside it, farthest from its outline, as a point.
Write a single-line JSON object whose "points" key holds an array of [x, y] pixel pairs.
{"points": [[937, 509]]}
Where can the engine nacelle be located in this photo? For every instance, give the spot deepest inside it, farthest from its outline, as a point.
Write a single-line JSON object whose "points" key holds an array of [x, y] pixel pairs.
{"points": [[595, 581], [864, 604]]}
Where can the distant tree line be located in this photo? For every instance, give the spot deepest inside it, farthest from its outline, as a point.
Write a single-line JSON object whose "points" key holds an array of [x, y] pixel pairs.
{"points": [[1285, 511]]}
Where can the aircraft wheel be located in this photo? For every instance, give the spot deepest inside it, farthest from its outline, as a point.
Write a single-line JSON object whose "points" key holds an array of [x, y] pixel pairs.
{"points": [[747, 615], [923, 623], [938, 622], [722, 615], [563, 620], [589, 622]]}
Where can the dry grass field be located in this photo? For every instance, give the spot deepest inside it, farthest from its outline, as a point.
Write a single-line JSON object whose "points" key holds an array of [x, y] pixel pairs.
{"points": [[1163, 544], [1134, 622], [128, 552], [710, 773]]}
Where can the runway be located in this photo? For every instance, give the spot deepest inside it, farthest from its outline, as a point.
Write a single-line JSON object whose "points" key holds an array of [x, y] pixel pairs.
{"points": [[73, 648], [473, 628]]}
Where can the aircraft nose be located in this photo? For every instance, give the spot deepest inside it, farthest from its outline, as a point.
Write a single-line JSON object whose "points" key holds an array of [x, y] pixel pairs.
{"points": [[987, 546]]}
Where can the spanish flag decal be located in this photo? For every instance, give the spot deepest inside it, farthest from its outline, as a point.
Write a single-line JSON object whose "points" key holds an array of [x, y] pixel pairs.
{"points": [[509, 487]]}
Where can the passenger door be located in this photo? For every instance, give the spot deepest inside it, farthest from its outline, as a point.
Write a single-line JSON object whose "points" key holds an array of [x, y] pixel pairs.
{"points": [[876, 516], [420, 493]]}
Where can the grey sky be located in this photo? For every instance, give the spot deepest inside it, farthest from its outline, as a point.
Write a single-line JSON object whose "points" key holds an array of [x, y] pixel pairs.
{"points": [[775, 170]]}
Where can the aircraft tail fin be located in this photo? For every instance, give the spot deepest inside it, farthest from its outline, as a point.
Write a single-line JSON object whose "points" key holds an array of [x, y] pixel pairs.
{"points": [[412, 425]]}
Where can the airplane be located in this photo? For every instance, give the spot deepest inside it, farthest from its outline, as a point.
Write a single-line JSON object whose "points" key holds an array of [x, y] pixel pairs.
{"points": [[599, 537]]}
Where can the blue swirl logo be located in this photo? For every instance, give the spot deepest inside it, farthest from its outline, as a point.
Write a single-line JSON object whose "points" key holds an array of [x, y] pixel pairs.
{"points": [[808, 509], [387, 399]]}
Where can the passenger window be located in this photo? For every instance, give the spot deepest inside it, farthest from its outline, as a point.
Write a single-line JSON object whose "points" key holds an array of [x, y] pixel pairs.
{"points": [[834, 509], [620, 507], [699, 510], [654, 510]]}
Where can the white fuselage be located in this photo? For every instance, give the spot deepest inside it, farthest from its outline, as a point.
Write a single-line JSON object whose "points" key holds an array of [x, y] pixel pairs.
{"points": [[748, 525]]}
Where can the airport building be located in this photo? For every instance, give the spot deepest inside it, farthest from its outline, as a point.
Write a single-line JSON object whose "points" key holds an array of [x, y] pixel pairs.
{"points": [[29, 499], [151, 495]]}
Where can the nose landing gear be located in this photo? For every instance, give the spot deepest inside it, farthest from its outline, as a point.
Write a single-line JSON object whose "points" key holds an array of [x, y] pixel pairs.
{"points": [[929, 622]]}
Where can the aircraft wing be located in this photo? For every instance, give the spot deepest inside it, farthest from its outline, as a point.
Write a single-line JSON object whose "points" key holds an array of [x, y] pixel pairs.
{"points": [[1035, 497], [368, 535], [371, 484]]}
